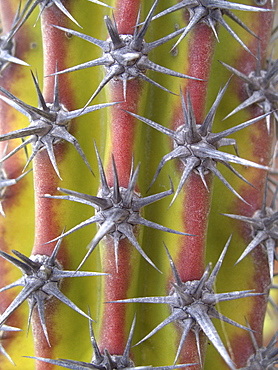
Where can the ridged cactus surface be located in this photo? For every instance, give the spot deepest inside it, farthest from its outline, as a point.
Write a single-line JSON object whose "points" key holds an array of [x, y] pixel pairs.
{"points": [[139, 219]]}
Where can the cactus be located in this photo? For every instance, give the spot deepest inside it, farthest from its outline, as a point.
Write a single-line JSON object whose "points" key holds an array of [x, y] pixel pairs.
{"points": [[161, 115]]}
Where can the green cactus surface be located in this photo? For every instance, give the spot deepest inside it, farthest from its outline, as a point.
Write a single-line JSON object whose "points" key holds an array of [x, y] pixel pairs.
{"points": [[138, 192]]}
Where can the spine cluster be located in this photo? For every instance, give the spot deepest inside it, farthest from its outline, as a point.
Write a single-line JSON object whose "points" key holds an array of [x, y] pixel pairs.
{"points": [[89, 122]]}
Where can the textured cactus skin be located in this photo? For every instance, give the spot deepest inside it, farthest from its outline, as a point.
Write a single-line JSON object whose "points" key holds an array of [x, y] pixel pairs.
{"points": [[32, 220]]}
